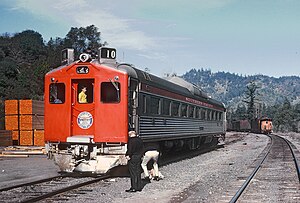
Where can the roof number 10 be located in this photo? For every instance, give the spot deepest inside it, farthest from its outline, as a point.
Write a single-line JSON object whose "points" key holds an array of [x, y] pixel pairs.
{"points": [[108, 53]]}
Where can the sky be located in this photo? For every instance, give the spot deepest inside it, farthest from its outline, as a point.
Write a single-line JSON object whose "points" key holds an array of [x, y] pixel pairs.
{"points": [[245, 37]]}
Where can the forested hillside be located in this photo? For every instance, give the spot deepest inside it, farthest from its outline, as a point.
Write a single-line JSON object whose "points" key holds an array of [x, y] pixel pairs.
{"points": [[277, 98], [230, 88]]}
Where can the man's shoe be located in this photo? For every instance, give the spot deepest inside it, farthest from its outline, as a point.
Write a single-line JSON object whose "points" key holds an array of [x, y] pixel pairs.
{"points": [[130, 190], [156, 178], [147, 179]]}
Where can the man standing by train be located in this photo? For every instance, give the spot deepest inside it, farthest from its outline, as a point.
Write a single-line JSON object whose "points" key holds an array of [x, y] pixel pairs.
{"points": [[135, 149]]}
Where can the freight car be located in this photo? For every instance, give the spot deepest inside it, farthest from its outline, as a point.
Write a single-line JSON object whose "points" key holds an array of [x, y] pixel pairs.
{"points": [[262, 125], [91, 134]]}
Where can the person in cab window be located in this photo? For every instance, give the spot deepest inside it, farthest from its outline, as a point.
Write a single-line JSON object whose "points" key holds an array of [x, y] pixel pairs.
{"points": [[82, 97]]}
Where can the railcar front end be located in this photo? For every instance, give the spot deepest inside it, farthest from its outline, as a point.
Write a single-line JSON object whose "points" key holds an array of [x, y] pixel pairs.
{"points": [[87, 134]]}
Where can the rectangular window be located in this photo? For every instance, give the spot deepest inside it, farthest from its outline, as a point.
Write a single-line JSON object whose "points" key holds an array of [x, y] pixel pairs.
{"points": [[175, 109], [183, 110], [57, 93], [220, 116], [110, 92], [203, 114], [85, 91], [154, 105], [197, 113], [166, 107], [208, 115], [191, 111]]}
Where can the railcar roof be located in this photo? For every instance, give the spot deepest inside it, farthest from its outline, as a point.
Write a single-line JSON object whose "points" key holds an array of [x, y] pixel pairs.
{"points": [[156, 81]]}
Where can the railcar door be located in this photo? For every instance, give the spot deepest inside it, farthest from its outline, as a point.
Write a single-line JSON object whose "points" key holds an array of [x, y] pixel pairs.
{"points": [[82, 107], [133, 103]]}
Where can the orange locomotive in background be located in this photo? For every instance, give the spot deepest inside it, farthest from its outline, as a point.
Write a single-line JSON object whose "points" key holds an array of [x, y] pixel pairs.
{"points": [[90, 104], [266, 125]]}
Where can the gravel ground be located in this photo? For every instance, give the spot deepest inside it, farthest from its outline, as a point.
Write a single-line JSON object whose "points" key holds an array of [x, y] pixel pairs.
{"points": [[205, 178]]}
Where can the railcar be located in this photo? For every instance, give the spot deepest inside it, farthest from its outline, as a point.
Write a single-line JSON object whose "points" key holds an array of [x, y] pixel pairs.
{"points": [[259, 125], [91, 136]]}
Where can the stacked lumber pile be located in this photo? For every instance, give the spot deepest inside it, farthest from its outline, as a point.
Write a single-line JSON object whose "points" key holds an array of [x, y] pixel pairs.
{"points": [[25, 118], [5, 138], [22, 151]]}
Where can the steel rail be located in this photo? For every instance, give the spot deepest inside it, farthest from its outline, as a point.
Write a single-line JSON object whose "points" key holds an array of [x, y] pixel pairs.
{"points": [[32, 183], [243, 187], [59, 191], [294, 156]]}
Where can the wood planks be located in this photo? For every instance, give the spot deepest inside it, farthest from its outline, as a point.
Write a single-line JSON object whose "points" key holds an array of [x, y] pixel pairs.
{"points": [[5, 137], [25, 118]]}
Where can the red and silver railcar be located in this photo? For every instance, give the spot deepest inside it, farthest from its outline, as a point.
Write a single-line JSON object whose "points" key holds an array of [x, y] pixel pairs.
{"points": [[91, 136]]}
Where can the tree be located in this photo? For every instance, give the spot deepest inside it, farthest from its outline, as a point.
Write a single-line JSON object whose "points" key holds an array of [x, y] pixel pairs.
{"points": [[82, 38], [284, 117], [250, 98]]}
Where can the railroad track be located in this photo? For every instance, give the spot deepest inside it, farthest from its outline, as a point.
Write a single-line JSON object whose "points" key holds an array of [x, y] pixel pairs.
{"points": [[276, 178], [46, 188]]}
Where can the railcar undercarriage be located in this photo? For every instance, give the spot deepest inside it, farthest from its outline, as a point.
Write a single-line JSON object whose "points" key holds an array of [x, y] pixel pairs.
{"points": [[80, 154]]}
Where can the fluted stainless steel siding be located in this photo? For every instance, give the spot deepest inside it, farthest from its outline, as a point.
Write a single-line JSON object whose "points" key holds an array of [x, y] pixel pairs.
{"points": [[172, 128]]}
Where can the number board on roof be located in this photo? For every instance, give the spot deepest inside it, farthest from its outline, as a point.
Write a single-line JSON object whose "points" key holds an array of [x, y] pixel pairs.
{"points": [[108, 53]]}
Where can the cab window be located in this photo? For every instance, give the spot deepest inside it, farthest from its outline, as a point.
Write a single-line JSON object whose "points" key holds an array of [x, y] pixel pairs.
{"points": [[110, 92], [57, 93], [85, 92]]}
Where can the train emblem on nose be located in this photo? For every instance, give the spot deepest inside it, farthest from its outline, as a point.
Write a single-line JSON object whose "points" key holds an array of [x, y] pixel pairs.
{"points": [[85, 120]]}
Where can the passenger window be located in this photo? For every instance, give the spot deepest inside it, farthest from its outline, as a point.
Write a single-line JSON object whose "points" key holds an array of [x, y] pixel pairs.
{"points": [[203, 114], [110, 92], [197, 112], [191, 111], [154, 105], [183, 110], [57, 93], [209, 115], [166, 107], [175, 109]]}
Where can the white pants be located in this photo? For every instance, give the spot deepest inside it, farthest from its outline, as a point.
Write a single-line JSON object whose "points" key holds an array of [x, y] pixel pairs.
{"points": [[148, 156]]}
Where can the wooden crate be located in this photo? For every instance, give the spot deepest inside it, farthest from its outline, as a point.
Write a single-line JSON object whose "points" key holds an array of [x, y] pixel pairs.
{"points": [[31, 122], [31, 107], [26, 137], [5, 138], [38, 138], [11, 107], [25, 122], [38, 122], [11, 122], [15, 135]]}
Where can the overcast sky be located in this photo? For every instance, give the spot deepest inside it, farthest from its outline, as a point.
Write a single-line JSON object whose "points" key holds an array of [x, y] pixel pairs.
{"points": [[172, 36]]}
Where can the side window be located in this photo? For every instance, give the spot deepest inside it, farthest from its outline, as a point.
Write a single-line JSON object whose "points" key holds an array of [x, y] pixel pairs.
{"points": [[220, 116], [203, 114], [154, 105], [191, 111], [144, 104], [110, 92], [197, 112], [57, 93], [209, 115], [166, 107], [183, 110], [175, 109]]}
